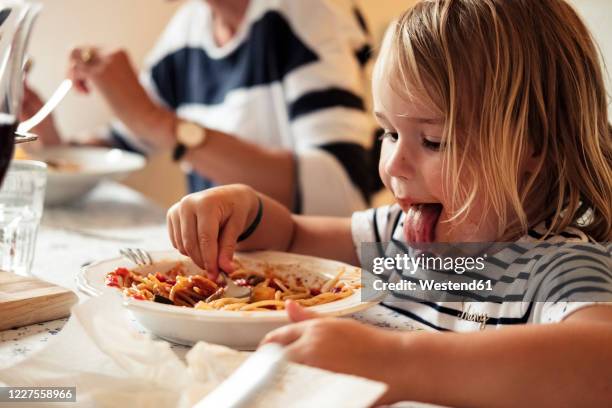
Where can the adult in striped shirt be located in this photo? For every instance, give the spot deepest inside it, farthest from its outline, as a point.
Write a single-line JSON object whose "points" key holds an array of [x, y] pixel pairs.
{"points": [[276, 89]]}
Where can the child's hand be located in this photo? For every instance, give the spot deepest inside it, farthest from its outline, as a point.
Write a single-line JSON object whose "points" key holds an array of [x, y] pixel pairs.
{"points": [[341, 345], [205, 226]]}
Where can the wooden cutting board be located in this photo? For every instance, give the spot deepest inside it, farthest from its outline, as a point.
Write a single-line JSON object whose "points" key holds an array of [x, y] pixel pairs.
{"points": [[28, 300]]}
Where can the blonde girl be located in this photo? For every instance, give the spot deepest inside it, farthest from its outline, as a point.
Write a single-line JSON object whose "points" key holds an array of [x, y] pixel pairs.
{"points": [[496, 129]]}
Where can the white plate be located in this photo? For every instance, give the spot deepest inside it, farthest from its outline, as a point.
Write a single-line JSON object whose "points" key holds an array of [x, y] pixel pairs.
{"points": [[239, 330], [95, 164]]}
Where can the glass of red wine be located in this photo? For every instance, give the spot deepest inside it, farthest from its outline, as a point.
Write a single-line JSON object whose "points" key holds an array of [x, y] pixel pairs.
{"points": [[16, 20], [7, 139]]}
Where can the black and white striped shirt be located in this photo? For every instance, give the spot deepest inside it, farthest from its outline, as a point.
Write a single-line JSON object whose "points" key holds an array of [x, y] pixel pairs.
{"points": [[557, 275], [292, 77]]}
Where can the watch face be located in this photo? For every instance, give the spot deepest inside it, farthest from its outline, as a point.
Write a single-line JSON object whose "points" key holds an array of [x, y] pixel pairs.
{"points": [[190, 134]]}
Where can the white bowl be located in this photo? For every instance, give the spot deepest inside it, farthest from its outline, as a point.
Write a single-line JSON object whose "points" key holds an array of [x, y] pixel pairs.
{"points": [[239, 330], [94, 165]]}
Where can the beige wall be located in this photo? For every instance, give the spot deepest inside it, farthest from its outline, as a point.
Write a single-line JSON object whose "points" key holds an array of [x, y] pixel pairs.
{"points": [[597, 14], [135, 24]]}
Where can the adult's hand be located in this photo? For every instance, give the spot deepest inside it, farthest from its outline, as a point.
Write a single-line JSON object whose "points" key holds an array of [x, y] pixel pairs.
{"points": [[46, 130], [113, 75]]}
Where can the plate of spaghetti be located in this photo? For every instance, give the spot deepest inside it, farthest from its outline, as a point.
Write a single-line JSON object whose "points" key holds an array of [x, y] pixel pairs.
{"points": [[177, 301]]}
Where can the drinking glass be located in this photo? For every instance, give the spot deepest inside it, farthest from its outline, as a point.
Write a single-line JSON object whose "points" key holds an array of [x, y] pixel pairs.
{"points": [[21, 206]]}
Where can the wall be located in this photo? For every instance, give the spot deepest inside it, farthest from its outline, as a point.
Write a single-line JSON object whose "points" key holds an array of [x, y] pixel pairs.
{"points": [[135, 24], [597, 14]]}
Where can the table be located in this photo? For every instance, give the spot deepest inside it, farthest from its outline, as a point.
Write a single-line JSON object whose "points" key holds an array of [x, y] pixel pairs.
{"points": [[112, 217]]}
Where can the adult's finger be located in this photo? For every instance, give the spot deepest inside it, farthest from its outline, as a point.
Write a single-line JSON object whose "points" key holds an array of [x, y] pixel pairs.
{"points": [[82, 62], [79, 80], [297, 313], [84, 56]]}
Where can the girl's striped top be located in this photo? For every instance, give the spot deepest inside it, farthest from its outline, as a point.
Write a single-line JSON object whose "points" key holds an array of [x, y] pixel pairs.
{"points": [[534, 280]]}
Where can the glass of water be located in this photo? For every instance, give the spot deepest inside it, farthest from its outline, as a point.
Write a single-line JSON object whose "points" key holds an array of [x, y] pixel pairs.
{"points": [[22, 196]]}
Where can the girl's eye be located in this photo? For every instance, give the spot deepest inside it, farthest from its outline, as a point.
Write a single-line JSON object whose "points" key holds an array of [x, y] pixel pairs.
{"points": [[431, 145], [393, 135]]}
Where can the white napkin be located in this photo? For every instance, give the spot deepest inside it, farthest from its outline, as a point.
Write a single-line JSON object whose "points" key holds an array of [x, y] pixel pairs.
{"points": [[112, 364]]}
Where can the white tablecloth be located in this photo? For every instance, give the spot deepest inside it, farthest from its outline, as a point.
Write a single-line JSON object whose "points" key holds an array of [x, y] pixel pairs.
{"points": [[112, 217]]}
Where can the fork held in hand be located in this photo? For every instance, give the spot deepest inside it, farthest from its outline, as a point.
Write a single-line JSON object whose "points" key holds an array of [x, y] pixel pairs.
{"points": [[139, 256], [231, 290]]}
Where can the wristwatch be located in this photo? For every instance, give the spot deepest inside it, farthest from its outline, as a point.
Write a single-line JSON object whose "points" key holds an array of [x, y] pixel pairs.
{"points": [[188, 136]]}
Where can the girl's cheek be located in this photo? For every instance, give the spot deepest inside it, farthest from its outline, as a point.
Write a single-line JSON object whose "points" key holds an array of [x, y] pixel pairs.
{"points": [[385, 155], [432, 172]]}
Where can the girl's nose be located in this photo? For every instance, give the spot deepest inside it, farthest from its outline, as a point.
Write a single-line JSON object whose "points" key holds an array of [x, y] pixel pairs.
{"points": [[399, 164]]}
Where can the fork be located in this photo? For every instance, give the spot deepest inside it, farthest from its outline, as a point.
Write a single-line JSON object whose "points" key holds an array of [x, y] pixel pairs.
{"points": [[56, 98], [139, 256], [231, 290], [24, 137]]}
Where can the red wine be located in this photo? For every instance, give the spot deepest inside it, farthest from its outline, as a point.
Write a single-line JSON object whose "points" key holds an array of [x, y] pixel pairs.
{"points": [[8, 125]]}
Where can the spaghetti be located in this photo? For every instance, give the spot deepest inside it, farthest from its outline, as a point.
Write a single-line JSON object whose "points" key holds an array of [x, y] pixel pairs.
{"points": [[269, 290]]}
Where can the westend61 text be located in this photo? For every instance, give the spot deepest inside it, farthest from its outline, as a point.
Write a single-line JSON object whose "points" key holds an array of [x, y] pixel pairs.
{"points": [[429, 285]]}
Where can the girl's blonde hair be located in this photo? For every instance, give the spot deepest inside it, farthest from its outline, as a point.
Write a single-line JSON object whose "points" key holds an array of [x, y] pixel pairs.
{"points": [[513, 79]]}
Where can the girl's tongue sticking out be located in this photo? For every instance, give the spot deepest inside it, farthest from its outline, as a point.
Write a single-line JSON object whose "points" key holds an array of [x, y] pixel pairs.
{"points": [[420, 223]]}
